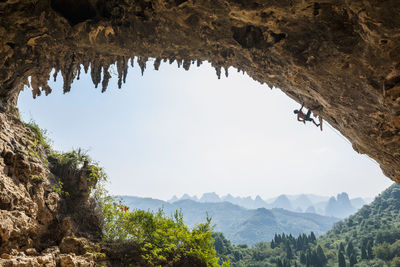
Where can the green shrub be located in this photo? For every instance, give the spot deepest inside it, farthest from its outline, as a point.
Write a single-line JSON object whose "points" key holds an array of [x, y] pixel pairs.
{"points": [[40, 134], [162, 239]]}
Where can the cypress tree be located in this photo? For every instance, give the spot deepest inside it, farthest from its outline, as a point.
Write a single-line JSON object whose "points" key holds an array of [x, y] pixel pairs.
{"points": [[322, 260], [341, 259], [369, 250], [303, 258], [286, 263], [353, 260], [314, 259], [289, 253], [308, 258], [312, 237], [272, 244], [364, 252], [349, 249], [341, 247]]}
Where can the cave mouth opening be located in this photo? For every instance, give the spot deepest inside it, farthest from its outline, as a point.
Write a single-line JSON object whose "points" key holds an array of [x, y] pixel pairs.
{"points": [[75, 11], [174, 118]]}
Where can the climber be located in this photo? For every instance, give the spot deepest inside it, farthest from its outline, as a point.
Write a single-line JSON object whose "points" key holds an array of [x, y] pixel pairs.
{"points": [[305, 117]]}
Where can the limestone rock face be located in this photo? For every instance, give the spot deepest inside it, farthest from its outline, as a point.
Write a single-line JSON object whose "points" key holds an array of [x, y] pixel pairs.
{"points": [[33, 217], [338, 56]]}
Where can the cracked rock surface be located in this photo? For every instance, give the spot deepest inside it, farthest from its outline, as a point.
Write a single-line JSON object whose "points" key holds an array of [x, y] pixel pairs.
{"points": [[37, 224]]}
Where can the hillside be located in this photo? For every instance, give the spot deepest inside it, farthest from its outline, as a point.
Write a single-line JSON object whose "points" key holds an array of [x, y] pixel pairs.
{"points": [[240, 225], [376, 226], [371, 237]]}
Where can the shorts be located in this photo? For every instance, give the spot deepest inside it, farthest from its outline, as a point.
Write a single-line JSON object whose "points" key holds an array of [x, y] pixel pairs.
{"points": [[308, 116]]}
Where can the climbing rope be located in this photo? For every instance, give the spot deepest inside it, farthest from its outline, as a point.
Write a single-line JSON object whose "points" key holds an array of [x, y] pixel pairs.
{"points": [[345, 139], [337, 133]]}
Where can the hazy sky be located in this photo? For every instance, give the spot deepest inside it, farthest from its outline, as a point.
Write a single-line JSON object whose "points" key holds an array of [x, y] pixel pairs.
{"points": [[173, 131]]}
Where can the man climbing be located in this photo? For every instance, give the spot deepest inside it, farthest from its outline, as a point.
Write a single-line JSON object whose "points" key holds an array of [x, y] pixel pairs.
{"points": [[305, 117]]}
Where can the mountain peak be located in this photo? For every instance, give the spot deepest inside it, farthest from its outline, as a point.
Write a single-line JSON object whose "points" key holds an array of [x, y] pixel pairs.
{"points": [[210, 197]]}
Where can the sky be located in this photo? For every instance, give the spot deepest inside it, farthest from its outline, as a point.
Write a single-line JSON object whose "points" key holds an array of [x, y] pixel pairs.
{"points": [[172, 131]]}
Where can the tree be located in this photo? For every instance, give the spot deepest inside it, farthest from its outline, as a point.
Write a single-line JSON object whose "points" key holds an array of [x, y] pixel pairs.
{"points": [[286, 263], [314, 259], [308, 258], [341, 259], [302, 258], [353, 260], [289, 253], [364, 255], [341, 247], [322, 260], [219, 243], [370, 254], [349, 249], [312, 237]]}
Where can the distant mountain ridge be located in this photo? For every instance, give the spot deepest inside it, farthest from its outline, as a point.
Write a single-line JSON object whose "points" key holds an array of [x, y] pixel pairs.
{"points": [[239, 224], [340, 206]]}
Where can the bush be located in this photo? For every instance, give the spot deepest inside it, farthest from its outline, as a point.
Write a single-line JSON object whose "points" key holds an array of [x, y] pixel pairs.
{"points": [[161, 239], [40, 134]]}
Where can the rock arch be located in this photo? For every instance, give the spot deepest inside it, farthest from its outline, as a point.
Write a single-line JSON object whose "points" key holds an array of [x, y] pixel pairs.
{"points": [[341, 56]]}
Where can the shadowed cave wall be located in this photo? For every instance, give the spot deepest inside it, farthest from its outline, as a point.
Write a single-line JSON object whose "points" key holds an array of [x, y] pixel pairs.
{"points": [[341, 57]]}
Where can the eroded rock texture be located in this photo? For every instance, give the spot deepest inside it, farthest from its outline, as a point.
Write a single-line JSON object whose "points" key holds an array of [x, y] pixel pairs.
{"points": [[340, 56], [38, 222]]}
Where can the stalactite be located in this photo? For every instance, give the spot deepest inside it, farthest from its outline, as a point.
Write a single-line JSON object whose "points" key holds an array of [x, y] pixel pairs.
{"points": [[132, 59], [186, 64], [157, 63], [125, 72], [106, 75], [218, 71], [199, 62], [106, 78], [85, 63], [79, 72], [95, 71], [142, 63], [179, 61], [35, 87], [226, 72], [68, 73], [46, 88], [122, 69], [171, 60], [56, 69], [55, 74]]}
